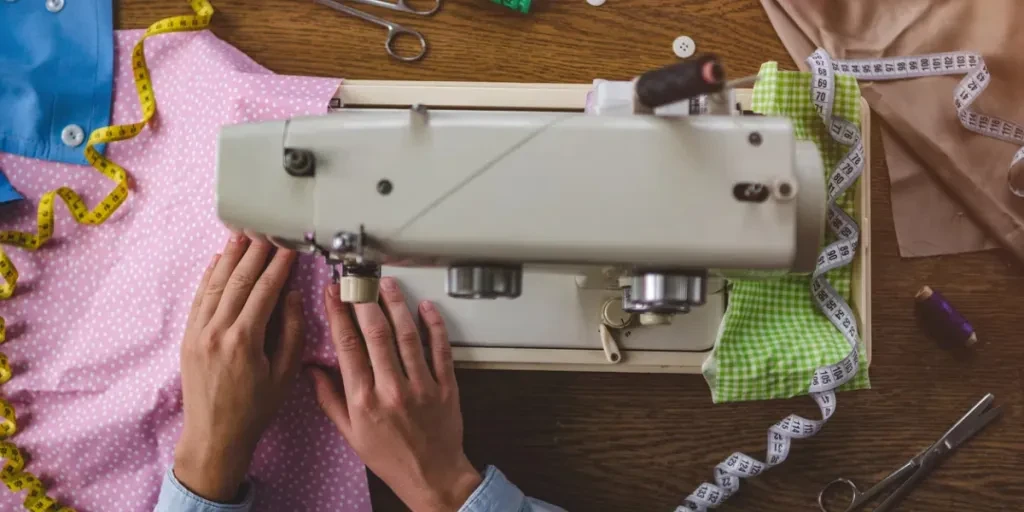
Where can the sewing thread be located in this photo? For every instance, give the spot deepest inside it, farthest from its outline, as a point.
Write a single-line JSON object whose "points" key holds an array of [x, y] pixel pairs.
{"points": [[941, 320]]}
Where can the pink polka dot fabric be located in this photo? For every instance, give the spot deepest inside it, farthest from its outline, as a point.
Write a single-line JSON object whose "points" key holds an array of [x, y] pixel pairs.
{"points": [[97, 320]]}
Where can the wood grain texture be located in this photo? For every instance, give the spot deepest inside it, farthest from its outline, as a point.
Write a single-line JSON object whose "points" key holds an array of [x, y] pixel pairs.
{"points": [[642, 442]]}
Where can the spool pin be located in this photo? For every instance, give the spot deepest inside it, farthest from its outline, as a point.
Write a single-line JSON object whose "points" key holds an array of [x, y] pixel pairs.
{"points": [[942, 321]]}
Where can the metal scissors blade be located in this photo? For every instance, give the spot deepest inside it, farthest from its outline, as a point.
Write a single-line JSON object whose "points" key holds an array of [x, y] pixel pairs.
{"points": [[977, 418], [970, 424], [402, 6], [918, 467]]}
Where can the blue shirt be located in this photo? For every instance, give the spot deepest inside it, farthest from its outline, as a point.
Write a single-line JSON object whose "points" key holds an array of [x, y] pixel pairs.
{"points": [[494, 494], [56, 76], [7, 192]]}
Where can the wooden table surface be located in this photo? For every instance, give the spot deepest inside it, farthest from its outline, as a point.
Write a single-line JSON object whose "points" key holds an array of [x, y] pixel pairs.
{"points": [[642, 442]]}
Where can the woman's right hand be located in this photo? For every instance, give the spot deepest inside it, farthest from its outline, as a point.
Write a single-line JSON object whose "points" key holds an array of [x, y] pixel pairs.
{"points": [[400, 415]]}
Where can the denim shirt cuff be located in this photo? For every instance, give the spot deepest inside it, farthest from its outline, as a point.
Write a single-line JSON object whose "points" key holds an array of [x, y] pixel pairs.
{"points": [[174, 497], [494, 494]]}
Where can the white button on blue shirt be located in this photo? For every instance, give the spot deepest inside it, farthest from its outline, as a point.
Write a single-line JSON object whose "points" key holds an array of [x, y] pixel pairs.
{"points": [[56, 76]]}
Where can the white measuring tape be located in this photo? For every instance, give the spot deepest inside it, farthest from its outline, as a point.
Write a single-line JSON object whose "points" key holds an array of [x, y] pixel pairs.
{"points": [[840, 253], [970, 87], [837, 254]]}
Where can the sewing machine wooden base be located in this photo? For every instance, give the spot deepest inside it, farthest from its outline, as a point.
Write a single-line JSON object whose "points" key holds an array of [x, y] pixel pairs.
{"points": [[554, 325]]}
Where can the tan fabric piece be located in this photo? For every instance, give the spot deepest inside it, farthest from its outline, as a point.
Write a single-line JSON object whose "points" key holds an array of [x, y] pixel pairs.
{"points": [[949, 189]]}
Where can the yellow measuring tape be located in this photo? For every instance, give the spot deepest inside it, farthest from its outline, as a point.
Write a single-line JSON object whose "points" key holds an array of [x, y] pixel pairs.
{"points": [[13, 473]]}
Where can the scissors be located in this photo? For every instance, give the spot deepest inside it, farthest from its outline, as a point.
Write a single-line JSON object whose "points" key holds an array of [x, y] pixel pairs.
{"points": [[917, 468], [394, 29]]}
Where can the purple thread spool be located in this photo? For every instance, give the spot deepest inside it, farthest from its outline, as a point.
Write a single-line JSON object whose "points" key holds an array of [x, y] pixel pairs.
{"points": [[941, 321]]}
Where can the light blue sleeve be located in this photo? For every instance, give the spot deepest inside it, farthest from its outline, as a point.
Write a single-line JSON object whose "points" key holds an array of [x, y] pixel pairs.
{"points": [[497, 494], [494, 494], [174, 497]]}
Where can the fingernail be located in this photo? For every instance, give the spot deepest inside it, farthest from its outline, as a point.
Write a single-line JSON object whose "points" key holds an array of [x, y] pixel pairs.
{"points": [[216, 258], [237, 238], [388, 284], [332, 290], [427, 306]]}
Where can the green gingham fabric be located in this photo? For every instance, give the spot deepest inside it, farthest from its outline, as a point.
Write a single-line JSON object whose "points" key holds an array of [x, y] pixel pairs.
{"points": [[773, 336]]}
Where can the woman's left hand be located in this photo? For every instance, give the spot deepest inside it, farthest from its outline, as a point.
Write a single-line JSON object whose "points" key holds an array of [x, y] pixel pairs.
{"points": [[233, 375]]}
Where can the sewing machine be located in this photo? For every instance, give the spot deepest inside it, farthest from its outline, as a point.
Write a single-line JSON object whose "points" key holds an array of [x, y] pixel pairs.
{"points": [[550, 239]]}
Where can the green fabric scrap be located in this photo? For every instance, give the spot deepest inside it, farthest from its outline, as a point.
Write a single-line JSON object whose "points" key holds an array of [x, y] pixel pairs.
{"points": [[772, 336]]}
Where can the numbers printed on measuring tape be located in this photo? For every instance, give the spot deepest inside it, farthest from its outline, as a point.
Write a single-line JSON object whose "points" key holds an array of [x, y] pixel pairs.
{"points": [[13, 473], [840, 253], [975, 81]]}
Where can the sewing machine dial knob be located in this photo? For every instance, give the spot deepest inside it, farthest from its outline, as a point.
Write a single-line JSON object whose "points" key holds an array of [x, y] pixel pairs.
{"points": [[655, 293], [484, 281]]}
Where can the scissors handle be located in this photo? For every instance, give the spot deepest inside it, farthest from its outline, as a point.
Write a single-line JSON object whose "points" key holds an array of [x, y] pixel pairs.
{"points": [[860, 498], [402, 6], [395, 30], [856, 499]]}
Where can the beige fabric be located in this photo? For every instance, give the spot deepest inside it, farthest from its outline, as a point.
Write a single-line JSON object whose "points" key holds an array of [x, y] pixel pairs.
{"points": [[949, 190]]}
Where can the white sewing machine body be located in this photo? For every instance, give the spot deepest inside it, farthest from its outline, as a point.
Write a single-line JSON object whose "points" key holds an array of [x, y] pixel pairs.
{"points": [[533, 187], [581, 202]]}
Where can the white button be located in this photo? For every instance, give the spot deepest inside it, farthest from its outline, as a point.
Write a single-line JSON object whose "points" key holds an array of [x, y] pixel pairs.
{"points": [[595, 3], [72, 135], [684, 47], [54, 5]]}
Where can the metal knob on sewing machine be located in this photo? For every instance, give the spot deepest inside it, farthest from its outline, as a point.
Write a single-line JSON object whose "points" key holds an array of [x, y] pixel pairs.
{"points": [[493, 195], [657, 296], [484, 281]]}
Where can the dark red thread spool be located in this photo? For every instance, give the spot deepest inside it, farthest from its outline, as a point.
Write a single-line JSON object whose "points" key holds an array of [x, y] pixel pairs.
{"points": [[942, 321]]}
